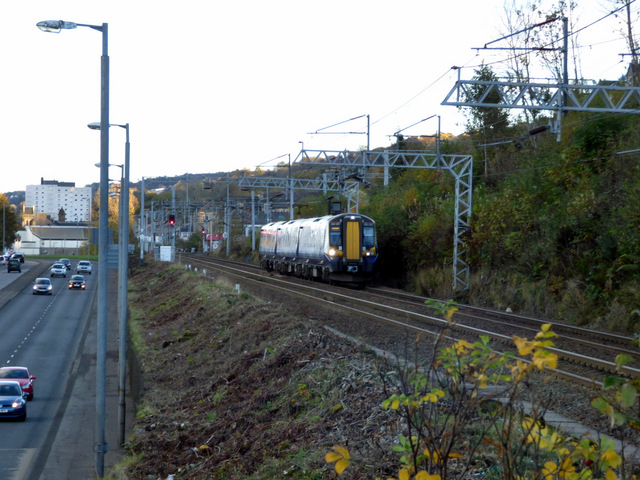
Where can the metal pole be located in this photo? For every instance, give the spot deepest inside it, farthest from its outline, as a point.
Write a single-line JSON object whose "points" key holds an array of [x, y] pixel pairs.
{"points": [[123, 240], [290, 190], [153, 231], [172, 229], [142, 221], [101, 446], [268, 206], [253, 221], [227, 217]]}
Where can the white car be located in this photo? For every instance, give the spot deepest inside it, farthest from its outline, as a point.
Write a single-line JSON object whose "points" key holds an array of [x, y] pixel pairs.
{"points": [[84, 266], [58, 269]]}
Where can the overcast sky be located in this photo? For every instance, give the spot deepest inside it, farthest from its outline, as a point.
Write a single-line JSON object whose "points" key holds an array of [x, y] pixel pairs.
{"points": [[211, 86]]}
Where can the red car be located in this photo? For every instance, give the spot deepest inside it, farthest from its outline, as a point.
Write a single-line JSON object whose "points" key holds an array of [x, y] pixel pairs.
{"points": [[20, 375]]}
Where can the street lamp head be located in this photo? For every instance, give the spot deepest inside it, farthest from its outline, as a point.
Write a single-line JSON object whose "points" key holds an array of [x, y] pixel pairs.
{"points": [[54, 26], [96, 125]]}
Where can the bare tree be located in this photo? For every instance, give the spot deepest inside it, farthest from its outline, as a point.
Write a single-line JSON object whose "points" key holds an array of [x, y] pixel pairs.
{"points": [[627, 19]]}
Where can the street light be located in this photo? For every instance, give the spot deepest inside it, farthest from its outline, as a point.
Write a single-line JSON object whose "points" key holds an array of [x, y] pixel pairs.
{"points": [[123, 279], [100, 445]]}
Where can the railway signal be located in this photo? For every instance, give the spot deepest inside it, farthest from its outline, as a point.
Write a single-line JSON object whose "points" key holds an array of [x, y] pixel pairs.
{"points": [[172, 220]]}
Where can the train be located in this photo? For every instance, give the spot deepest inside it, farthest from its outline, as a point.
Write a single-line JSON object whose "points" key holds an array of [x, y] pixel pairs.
{"points": [[338, 248]]}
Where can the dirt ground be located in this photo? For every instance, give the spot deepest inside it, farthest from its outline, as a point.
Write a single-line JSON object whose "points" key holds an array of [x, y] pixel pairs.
{"points": [[242, 387]]}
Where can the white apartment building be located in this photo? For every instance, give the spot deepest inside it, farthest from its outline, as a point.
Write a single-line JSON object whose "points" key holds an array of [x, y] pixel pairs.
{"points": [[51, 196]]}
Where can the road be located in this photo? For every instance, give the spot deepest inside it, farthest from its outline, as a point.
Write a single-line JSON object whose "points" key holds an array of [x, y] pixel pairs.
{"points": [[43, 333]]}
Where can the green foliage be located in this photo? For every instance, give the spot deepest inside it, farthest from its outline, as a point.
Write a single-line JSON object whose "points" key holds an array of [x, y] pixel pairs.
{"points": [[620, 398], [448, 420], [194, 241], [486, 119], [9, 226]]}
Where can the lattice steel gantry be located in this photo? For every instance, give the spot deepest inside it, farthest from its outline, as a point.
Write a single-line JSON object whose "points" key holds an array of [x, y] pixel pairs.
{"points": [[460, 166]]}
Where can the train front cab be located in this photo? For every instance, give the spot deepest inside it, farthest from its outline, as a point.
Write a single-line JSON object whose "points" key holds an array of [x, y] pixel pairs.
{"points": [[352, 253]]}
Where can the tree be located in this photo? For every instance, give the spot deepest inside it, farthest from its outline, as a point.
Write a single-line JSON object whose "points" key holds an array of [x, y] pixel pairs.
{"points": [[10, 224], [114, 210], [627, 33], [489, 120]]}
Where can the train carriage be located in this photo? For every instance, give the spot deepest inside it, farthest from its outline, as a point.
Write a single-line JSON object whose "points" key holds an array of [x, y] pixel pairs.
{"points": [[336, 248]]}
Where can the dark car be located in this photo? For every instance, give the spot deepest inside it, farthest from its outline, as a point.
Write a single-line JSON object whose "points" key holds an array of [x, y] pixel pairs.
{"points": [[66, 262], [13, 265], [12, 400], [77, 281], [19, 256], [20, 375], [42, 286]]}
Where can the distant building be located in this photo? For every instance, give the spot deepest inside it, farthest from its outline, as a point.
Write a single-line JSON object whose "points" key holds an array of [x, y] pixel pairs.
{"points": [[58, 240], [52, 197]]}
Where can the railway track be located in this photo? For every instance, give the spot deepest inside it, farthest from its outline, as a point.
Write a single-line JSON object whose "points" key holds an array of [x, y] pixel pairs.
{"points": [[585, 356]]}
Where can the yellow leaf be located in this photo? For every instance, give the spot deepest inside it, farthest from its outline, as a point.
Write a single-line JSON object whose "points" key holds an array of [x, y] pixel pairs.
{"points": [[342, 451], [524, 347], [612, 458], [550, 361], [422, 475], [610, 475], [331, 457], [482, 380], [403, 474], [545, 327], [549, 469], [203, 447], [395, 404], [455, 455], [341, 465]]}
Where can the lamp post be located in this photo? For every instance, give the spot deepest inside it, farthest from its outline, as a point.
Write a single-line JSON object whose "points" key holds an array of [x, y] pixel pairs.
{"points": [[142, 221], [123, 279], [100, 446]]}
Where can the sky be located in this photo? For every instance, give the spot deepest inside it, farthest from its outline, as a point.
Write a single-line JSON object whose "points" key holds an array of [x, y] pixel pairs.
{"points": [[210, 86]]}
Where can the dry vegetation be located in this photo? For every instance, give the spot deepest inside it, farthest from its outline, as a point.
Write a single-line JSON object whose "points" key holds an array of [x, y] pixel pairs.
{"points": [[238, 387]]}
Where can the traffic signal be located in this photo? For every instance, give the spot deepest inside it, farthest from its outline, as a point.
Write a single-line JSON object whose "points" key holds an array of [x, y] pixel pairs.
{"points": [[172, 220], [204, 231]]}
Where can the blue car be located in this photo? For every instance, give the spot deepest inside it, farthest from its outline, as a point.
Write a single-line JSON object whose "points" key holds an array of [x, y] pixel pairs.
{"points": [[13, 402]]}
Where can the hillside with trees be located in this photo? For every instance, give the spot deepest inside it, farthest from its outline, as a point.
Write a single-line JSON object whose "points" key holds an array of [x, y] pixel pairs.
{"points": [[555, 225]]}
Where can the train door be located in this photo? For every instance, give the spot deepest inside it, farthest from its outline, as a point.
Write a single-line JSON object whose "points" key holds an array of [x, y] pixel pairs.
{"points": [[353, 251]]}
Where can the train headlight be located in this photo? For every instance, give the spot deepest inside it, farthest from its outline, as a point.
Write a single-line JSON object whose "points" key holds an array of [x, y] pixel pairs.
{"points": [[334, 252]]}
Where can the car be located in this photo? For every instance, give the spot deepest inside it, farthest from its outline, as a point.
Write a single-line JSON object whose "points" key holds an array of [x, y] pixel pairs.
{"points": [[42, 286], [58, 269], [19, 256], [4, 259], [76, 281], [84, 266], [66, 262], [12, 400], [20, 375], [13, 265]]}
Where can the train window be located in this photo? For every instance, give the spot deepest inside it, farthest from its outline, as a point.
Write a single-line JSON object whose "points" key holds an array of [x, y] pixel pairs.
{"points": [[335, 237], [368, 236]]}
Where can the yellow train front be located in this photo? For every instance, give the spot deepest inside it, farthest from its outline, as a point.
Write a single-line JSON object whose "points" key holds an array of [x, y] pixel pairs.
{"points": [[336, 248]]}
